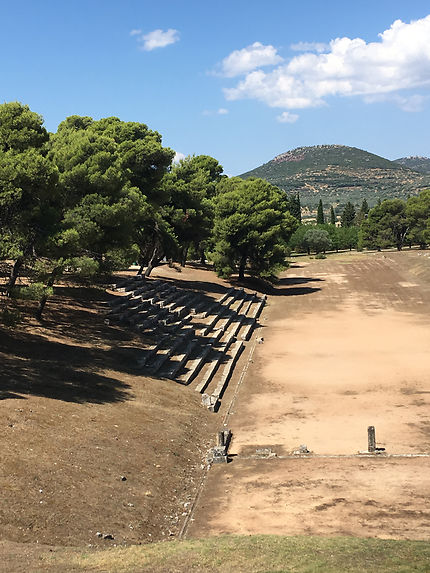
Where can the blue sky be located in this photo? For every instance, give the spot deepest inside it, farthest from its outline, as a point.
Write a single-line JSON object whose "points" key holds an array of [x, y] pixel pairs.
{"points": [[239, 80]]}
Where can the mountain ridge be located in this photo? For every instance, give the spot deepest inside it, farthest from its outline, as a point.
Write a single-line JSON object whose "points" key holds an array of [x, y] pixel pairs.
{"points": [[339, 173], [416, 163]]}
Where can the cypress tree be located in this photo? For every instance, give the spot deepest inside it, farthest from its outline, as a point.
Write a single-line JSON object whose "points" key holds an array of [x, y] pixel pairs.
{"points": [[320, 214], [364, 207], [348, 215], [332, 216], [299, 209], [295, 207]]}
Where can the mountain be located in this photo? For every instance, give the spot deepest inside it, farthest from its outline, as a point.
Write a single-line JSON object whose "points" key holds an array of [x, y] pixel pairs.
{"points": [[337, 174], [416, 163]]}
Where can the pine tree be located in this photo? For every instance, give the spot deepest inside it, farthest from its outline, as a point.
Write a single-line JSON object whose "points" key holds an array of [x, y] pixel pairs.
{"points": [[320, 214]]}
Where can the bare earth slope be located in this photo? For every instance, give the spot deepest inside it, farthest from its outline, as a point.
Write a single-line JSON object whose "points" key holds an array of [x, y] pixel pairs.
{"points": [[87, 443], [346, 345]]}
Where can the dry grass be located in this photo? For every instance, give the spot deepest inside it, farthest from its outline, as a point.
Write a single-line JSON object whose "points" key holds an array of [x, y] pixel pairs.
{"points": [[251, 554]]}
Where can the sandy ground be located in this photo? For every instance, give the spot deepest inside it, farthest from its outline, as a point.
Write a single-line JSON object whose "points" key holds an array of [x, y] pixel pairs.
{"points": [[346, 345]]}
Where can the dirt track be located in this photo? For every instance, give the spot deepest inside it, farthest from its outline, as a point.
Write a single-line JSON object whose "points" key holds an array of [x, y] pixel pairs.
{"points": [[346, 345]]}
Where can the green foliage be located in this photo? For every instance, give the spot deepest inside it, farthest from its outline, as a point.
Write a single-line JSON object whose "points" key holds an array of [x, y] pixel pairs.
{"points": [[252, 227], [84, 266], [386, 225], [33, 291], [20, 128], [320, 214], [420, 164], [295, 207], [316, 240], [191, 186], [308, 238], [348, 216], [320, 256], [418, 218], [332, 216], [10, 317], [339, 174]]}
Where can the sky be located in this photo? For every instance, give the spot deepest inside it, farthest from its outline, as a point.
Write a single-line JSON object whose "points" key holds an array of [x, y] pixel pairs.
{"points": [[240, 80]]}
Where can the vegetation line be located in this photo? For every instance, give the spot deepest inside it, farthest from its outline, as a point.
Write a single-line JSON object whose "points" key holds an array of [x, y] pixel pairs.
{"points": [[328, 456]]}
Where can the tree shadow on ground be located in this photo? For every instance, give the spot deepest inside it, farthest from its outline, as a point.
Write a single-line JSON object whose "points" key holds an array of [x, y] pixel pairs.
{"points": [[34, 365], [200, 286], [283, 287]]}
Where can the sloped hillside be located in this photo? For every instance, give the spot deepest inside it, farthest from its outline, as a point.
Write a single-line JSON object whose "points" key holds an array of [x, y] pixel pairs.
{"points": [[420, 164], [337, 174]]}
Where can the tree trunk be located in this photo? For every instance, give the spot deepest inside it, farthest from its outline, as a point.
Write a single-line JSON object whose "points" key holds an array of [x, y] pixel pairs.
{"points": [[202, 257], [242, 267], [56, 272], [184, 254], [14, 274], [151, 262], [41, 307]]}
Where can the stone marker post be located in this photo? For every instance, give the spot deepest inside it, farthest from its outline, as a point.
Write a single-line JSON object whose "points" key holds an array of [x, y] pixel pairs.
{"points": [[371, 440], [221, 439]]}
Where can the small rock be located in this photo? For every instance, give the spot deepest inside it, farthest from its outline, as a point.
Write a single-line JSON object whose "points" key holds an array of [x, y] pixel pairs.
{"points": [[123, 478], [99, 534], [108, 536], [148, 493]]}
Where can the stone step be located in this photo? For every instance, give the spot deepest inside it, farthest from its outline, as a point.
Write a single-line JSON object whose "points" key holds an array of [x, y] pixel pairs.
{"points": [[248, 328], [227, 370], [196, 364], [150, 352], [163, 356], [181, 359], [213, 366]]}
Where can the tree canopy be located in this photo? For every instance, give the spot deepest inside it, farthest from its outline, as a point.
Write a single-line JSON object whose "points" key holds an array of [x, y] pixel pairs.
{"points": [[99, 194], [252, 228]]}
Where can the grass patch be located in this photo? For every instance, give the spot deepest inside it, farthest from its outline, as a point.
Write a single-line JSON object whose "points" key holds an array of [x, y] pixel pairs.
{"points": [[258, 554]]}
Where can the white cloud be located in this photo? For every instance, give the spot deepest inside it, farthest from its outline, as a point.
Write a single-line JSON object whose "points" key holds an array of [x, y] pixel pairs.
{"points": [[350, 67], [220, 111], [411, 103], [178, 157], [157, 39], [249, 58], [310, 47], [135, 32], [287, 117]]}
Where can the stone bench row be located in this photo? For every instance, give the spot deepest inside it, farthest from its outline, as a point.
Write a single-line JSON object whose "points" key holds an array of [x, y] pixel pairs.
{"points": [[215, 306], [218, 310], [212, 400], [163, 355], [139, 308], [208, 345], [180, 359], [213, 366]]}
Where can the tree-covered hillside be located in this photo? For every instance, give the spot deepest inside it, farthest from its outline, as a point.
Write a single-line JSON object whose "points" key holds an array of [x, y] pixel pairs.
{"points": [[338, 174], [420, 164]]}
